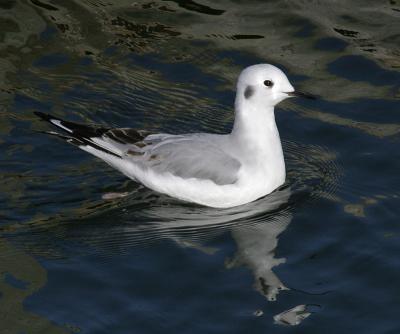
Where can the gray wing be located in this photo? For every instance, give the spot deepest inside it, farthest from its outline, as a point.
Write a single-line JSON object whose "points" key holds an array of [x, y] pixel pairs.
{"points": [[188, 156], [195, 158]]}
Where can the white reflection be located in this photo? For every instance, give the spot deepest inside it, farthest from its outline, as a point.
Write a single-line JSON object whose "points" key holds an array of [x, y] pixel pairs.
{"points": [[256, 250], [255, 227]]}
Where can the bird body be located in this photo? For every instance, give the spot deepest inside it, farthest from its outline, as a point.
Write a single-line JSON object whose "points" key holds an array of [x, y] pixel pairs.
{"points": [[213, 170]]}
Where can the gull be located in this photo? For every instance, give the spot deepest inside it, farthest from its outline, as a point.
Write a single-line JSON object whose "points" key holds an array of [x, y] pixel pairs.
{"points": [[215, 170]]}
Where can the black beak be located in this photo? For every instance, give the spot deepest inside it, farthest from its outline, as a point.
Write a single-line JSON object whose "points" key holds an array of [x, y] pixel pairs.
{"points": [[302, 94]]}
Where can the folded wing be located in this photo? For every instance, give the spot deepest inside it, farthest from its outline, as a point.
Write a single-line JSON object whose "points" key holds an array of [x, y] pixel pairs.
{"points": [[187, 156], [192, 157]]}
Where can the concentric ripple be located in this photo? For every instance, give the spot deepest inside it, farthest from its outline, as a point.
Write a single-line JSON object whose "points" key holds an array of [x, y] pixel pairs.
{"points": [[144, 216]]}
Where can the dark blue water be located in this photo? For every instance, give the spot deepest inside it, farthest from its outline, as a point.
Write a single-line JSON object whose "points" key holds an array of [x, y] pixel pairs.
{"points": [[72, 262]]}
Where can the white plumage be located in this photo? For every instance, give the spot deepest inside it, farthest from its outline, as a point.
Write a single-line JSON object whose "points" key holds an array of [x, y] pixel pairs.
{"points": [[213, 170]]}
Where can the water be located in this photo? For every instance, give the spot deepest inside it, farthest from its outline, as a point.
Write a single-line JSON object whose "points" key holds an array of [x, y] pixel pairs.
{"points": [[72, 262]]}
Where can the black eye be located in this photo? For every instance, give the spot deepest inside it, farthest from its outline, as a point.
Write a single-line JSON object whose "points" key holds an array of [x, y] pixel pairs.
{"points": [[268, 83]]}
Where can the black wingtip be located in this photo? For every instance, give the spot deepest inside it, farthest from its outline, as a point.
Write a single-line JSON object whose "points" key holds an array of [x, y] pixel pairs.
{"points": [[77, 134], [44, 116], [68, 139]]}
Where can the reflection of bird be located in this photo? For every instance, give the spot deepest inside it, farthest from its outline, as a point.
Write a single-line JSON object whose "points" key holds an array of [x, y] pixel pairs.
{"points": [[256, 244], [255, 229], [212, 170], [256, 250]]}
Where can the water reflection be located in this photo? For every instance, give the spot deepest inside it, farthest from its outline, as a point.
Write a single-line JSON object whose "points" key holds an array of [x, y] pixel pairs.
{"points": [[256, 250], [255, 228], [171, 66]]}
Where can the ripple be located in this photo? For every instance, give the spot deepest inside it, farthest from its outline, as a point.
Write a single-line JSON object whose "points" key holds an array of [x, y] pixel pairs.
{"points": [[172, 66], [145, 217], [197, 7]]}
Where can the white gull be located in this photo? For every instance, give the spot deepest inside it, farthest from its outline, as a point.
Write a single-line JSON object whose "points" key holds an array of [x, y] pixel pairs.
{"points": [[209, 169]]}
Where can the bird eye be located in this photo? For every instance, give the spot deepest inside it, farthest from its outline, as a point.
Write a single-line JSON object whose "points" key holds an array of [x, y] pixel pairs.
{"points": [[268, 83]]}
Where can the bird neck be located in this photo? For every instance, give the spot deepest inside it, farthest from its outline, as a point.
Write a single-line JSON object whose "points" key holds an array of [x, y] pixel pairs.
{"points": [[255, 125], [255, 132]]}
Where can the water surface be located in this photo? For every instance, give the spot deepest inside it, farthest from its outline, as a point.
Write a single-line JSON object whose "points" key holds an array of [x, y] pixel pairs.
{"points": [[72, 262]]}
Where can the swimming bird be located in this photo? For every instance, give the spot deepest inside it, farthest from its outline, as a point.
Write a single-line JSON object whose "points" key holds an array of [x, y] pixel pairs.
{"points": [[216, 170]]}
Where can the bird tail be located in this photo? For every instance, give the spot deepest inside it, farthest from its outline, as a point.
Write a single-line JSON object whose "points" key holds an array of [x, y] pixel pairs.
{"points": [[84, 136]]}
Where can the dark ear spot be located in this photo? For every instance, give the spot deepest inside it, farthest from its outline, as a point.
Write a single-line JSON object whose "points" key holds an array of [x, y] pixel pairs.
{"points": [[249, 91]]}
